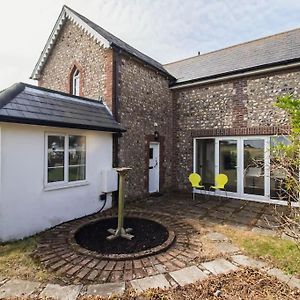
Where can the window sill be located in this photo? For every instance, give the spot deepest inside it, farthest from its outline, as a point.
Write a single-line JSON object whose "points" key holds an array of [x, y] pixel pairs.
{"points": [[65, 185]]}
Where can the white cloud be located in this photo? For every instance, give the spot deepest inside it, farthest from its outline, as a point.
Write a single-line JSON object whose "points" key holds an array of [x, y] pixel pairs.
{"points": [[167, 30]]}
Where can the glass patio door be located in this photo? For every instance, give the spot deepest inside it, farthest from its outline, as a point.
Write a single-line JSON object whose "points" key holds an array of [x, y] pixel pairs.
{"points": [[228, 162], [254, 166], [205, 161], [244, 159]]}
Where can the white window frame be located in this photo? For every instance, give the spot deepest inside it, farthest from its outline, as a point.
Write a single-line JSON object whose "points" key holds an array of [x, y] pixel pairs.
{"points": [[76, 82], [65, 183], [240, 169]]}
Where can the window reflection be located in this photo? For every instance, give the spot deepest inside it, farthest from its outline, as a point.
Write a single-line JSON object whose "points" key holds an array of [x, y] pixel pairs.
{"points": [[254, 167]]}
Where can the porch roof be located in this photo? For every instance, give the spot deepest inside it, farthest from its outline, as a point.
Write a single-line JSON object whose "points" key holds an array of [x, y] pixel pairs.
{"points": [[28, 104]]}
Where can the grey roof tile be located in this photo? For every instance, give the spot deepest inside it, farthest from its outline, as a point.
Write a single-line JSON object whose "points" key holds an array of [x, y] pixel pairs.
{"points": [[277, 49], [23, 103]]}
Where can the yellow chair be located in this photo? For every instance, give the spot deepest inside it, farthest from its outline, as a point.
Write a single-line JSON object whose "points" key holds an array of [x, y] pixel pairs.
{"points": [[195, 180], [220, 182]]}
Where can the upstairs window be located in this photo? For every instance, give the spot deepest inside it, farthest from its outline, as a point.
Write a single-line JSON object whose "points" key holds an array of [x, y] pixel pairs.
{"points": [[75, 82]]}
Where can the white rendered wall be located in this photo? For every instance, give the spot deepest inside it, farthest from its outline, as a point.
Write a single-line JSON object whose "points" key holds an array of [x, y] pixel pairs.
{"points": [[26, 207]]}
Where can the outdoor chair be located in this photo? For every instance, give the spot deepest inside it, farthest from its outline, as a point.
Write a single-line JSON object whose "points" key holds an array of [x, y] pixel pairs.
{"points": [[220, 183], [195, 180]]}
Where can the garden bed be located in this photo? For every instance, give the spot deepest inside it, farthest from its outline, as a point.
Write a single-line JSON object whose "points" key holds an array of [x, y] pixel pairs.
{"points": [[247, 284], [147, 234]]}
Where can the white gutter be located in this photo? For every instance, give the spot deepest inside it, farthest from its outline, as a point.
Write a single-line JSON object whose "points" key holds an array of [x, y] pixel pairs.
{"points": [[227, 77]]}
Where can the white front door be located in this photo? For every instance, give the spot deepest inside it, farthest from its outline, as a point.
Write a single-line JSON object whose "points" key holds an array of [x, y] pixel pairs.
{"points": [[153, 168]]}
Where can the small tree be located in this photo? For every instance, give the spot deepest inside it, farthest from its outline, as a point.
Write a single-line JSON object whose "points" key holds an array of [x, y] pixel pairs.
{"points": [[285, 160]]}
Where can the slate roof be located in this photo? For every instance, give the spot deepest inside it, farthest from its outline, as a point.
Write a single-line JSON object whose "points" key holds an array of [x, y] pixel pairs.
{"points": [[282, 48], [28, 104]]}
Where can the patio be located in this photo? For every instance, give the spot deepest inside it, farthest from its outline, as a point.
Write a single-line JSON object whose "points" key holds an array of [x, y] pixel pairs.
{"points": [[249, 215], [201, 254], [191, 220]]}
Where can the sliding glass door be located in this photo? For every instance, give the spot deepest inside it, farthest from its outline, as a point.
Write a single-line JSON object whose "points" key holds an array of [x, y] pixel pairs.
{"points": [[205, 161], [245, 161], [254, 165], [228, 162]]}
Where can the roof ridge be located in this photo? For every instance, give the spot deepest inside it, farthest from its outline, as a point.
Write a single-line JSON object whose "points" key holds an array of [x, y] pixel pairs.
{"points": [[62, 93], [235, 45]]}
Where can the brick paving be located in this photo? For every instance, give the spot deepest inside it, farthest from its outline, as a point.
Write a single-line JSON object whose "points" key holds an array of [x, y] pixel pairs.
{"points": [[178, 265], [56, 252], [185, 217]]}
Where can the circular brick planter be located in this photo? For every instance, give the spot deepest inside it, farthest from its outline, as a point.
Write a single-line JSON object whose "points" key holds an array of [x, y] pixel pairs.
{"points": [[58, 251], [155, 250]]}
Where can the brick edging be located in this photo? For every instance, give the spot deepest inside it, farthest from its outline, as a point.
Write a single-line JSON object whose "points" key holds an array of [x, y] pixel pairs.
{"points": [[155, 250], [241, 131]]}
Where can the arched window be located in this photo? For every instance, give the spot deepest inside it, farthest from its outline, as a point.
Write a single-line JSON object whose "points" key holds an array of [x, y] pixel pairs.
{"points": [[75, 82]]}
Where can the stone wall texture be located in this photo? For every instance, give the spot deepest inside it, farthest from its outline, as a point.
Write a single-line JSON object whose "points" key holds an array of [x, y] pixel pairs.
{"points": [[75, 47], [240, 107], [145, 99]]}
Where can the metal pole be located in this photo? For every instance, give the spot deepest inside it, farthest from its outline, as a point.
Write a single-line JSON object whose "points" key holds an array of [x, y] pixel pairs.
{"points": [[120, 231], [120, 204]]}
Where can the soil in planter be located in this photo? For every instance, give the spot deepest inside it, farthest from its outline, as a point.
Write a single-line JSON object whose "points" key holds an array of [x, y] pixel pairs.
{"points": [[147, 234]]}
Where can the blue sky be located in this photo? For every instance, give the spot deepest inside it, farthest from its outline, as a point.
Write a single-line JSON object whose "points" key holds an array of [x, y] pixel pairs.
{"points": [[166, 30]]}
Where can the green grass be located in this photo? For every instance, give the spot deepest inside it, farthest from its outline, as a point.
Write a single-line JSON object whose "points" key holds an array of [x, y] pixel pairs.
{"points": [[281, 253], [16, 261]]}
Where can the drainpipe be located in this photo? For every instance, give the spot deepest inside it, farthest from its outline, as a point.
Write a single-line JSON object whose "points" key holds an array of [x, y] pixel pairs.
{"points": [[115, 111], [115, 103]]}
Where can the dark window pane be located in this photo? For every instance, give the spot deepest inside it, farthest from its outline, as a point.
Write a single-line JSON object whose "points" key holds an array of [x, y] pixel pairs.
{"points": [[254, 167], [151, 153], [56, 150], [56, 153], [279, 175], [55, 174], [76, 173], [205, 161], [76, 158], [77, 151], [228, 163], [77, 142]]}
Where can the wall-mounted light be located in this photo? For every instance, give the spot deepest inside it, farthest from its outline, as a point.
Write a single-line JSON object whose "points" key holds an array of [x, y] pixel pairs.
{"points": [[156, 135]]}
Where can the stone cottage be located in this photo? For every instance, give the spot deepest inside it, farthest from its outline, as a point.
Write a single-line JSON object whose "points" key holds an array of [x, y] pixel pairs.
{"points": [[212, 113]]}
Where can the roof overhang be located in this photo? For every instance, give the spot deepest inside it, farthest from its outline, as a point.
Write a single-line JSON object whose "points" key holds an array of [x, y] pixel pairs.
{"points": [[281, 66], [29, 121], [27, 104], [66, 14]]}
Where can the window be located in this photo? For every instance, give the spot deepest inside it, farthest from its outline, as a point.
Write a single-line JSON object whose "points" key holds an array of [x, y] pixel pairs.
{"points": [[76, 158], [56, 158], [66, 158], [278, 175], [75, 83], [247, 162], [205, 161]]}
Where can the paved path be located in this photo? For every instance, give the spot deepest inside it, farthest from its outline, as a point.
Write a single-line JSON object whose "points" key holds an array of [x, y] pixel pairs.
{"points": [[179, 265], [182, 276]]}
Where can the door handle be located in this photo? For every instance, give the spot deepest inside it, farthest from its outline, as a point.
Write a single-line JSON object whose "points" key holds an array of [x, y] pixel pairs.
{"points": [[151, 168]]}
